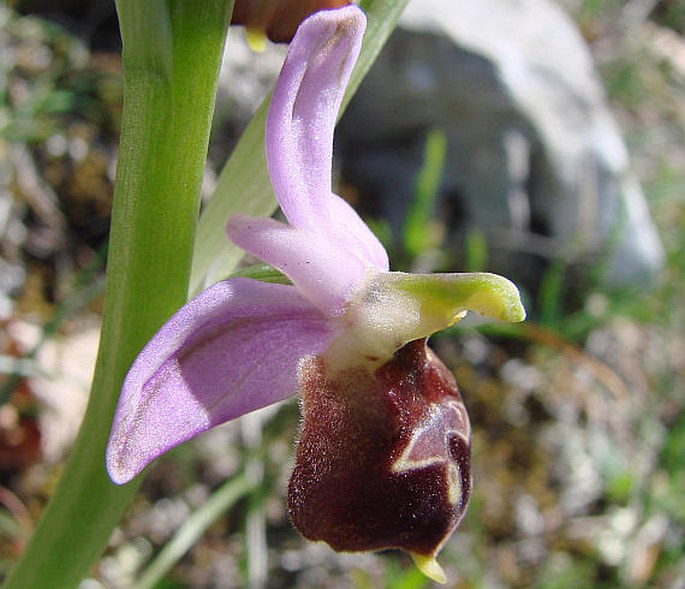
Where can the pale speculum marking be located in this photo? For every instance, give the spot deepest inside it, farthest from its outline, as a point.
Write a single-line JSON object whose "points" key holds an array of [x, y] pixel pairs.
{"points": [[430, 444]]}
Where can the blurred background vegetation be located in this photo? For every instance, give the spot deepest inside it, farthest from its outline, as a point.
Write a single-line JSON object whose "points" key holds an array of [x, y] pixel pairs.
{"points": [[578, 414]]}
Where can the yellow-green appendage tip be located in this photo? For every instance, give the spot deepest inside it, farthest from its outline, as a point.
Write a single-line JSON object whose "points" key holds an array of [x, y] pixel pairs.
{"points": [[256, 39], [429, 567]]}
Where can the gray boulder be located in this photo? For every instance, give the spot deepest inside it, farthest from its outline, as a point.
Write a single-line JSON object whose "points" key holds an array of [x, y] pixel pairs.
{"points": [[534, 158]]}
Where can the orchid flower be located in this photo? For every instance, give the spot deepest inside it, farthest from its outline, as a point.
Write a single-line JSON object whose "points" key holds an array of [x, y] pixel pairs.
{"points": [[383, 459], [275, 19]]}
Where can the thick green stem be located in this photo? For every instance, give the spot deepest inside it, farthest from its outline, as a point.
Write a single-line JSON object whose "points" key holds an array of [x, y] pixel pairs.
{"points": [[172, 52]]}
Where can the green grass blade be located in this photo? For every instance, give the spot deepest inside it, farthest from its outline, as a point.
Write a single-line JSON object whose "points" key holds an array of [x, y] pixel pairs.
{"points": [[193, 528]]}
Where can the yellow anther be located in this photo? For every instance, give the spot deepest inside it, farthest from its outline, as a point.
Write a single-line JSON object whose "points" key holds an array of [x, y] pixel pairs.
{"points": [[256, 39]]}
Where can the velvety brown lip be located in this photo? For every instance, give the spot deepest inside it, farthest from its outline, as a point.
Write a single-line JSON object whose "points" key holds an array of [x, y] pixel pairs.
{"points": [[383, 459]]}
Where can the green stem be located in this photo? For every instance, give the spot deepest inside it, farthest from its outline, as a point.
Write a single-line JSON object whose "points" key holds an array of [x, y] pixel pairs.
{"points": [[172, 53]]}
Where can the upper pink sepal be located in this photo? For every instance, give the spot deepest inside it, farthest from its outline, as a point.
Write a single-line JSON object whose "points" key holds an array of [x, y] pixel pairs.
{"points": [[299, 132]]}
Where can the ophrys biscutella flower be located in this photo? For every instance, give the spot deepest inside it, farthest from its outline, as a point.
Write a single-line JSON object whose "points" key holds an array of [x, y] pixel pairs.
{"points": [[383, 459], [276, 19]]}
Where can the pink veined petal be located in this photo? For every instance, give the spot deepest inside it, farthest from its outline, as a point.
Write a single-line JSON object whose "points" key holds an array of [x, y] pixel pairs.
{"points": [[233, 349], [299, 130], [322, 271]]}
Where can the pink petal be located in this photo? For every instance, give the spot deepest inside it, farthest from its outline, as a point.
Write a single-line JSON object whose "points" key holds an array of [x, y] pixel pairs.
{"points": [[299, 131], [233, 349], [322, 271]]}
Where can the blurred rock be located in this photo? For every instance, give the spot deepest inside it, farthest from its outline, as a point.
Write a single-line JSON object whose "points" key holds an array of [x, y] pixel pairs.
{"points": [[534, 157]]}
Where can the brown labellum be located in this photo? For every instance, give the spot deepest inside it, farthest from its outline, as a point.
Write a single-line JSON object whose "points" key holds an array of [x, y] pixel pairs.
{"points": [[278, 19], [383, 459]]}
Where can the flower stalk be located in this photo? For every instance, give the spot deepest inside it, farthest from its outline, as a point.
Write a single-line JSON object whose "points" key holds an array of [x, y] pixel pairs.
{"points": [[171, 57]]}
